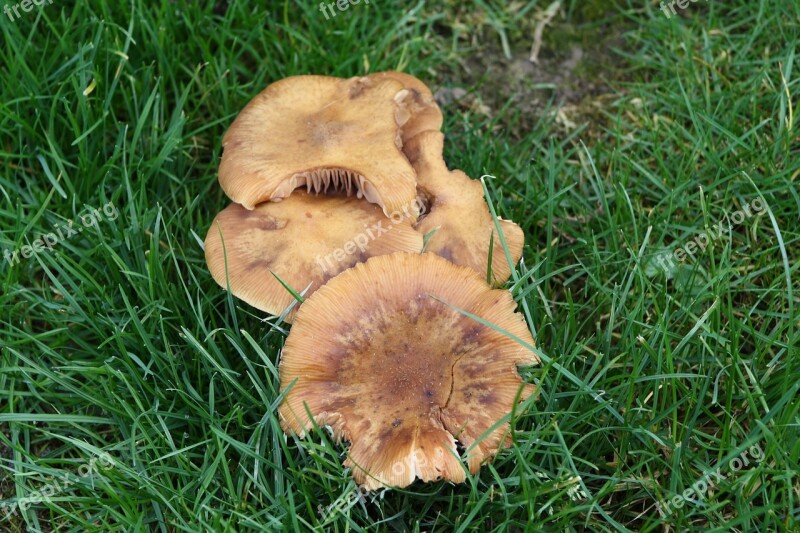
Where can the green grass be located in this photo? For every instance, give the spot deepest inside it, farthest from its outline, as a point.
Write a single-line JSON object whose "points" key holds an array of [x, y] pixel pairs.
{"points": [[120, 342]]}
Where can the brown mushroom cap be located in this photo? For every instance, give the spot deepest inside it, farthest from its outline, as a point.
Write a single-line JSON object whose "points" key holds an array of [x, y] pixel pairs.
{"points": [[305, 240], [459, 211], [401, 375], [319, 132], [418, 110]]}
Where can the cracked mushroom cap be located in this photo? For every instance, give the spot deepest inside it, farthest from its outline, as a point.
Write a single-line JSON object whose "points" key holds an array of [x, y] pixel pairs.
{"points": [[459, 211], [418, 110], [322, 133], [377, 356], [305, 240]]}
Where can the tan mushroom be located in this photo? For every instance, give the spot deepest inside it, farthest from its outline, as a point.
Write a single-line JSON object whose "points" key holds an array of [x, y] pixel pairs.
{"points": [[305, 240], [382, 356], [418, 110], [321, 133], [458, 213]]}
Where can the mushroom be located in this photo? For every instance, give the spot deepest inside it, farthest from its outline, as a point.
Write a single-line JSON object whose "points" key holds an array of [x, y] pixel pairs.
{"points": [[458, 214], [305, 240], [418, 110], [383, 356], [322, 133]]}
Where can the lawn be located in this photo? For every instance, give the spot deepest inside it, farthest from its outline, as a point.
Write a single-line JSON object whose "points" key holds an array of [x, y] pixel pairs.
{"points": [[652, 161]]}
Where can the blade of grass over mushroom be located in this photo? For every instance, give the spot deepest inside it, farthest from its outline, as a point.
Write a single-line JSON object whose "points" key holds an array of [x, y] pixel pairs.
{"points": [[498, 230], [229, 295], [489, 273], [427, 238], [296, 295]]}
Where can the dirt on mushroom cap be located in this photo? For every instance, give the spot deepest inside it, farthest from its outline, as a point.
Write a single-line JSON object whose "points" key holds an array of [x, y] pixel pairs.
{"points": [[459, 215], [305, 240], [381, 356], [319, 132]]}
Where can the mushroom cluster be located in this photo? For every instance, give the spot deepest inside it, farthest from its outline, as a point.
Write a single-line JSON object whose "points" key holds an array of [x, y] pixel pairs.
{"points": [[404, 353]]}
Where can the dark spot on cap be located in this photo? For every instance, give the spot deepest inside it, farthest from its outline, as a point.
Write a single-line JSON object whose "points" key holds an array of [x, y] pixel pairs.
{"points": [[361, 257], [309, 215], [357, 90], [396, 422], [472, 371], [487, 399], [447, 253], [268, 223], [337, 354], [471, 335], [261, 264]]}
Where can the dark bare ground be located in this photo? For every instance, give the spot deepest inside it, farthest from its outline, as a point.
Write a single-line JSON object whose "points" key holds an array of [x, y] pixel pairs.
{"points": [[576, 75]]}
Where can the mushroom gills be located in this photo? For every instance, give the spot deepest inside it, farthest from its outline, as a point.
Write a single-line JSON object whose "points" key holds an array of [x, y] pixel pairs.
{"points": [[323, 181]]}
